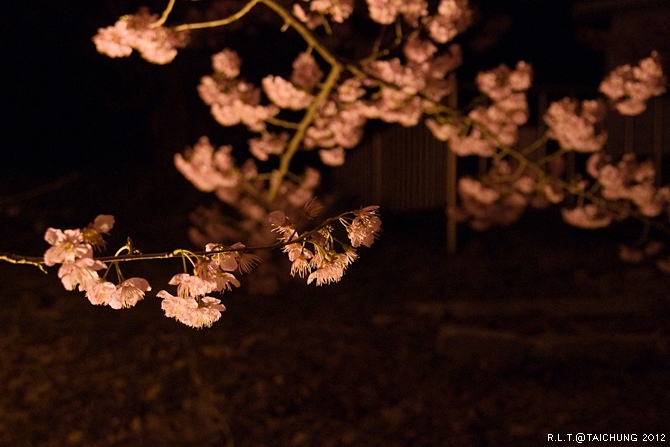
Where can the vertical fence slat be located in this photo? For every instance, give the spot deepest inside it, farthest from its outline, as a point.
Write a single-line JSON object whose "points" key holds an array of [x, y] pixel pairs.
{"points": [[451, 161]]}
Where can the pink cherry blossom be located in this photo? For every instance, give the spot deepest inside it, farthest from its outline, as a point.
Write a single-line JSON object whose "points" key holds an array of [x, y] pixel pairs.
{"points": [[129, 292], [365, 227], [191, 286], [191, 312], [310, 19], [125, 295], [329, 266], [386, 12], [284, 94], [628, 88], [206, 169], [587, 217], [155, 44], [337, 10], [472, 188], [227, 62], [269, 143], [452, 18], [101, 293], [67, 246], [332, 157], [576, 126], [235, 101], [114, 41], [81, 272], [306, 72], [442, 131]]}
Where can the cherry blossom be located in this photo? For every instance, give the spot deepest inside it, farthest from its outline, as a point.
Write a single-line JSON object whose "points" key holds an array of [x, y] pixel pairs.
{"points": [[329, 267], [306, 72], [155, 44], [575, 126], [67, 246], [191, 312], [269, 143], [452, 18], [92, 234], [284, 94], [337, 10], [588, 217], [629, 180], [227, 62], [332, 157], [81, 272], [101, 293], [365, 227], [628, 88], [125, 295], [386, 12], [207, 169]]}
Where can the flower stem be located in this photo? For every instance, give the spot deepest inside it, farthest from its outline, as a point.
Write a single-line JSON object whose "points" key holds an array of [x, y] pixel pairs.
{"points": [[161, 21]]}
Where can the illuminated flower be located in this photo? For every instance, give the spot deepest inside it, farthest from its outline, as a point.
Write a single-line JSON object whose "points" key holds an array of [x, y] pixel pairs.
{"points": [[191, 312], [587, 217], [67, 246], [227, 62], [129, 292], [332, 157], [284, 94], [125, 295], [191, 286], [628, 88], [92, 234], [80, 272], [101, 293], [365, 227], [574, 125], [306, 72], [155, 44]]}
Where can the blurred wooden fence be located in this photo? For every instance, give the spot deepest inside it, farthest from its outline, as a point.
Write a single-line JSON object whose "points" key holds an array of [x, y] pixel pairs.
{"points": [[407, 170]]}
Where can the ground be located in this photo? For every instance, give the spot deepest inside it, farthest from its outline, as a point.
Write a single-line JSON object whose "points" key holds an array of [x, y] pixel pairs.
{"points": [[526, 331]]}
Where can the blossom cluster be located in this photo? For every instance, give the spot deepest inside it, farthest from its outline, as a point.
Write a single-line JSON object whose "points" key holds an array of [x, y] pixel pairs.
{"points": [[192, 306], [156, 44], [617, 191], [232, 99], [500, 197], [73, 250], [630, 181], [628, 88], [323, 263], [390, 90], [577, 125], [490, 126], [213, 271]]}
